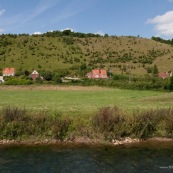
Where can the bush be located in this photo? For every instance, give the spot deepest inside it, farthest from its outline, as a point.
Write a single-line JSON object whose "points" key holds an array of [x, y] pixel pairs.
{"points": [[168, 122], [107, 118], [113, 123], [57, 78], [143, 124], [17, 81], [107, 124], [17, 123], [10, 114], [61, 128]]}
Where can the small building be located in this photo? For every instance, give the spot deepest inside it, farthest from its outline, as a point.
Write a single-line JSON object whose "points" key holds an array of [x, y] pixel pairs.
{"points": [[34, 75], [163, 75], [97, 74], [1, 79], [8, 72]]}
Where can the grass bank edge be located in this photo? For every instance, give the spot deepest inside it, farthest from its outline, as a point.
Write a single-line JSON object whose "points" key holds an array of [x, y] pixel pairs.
{"points": [[104, 125]]}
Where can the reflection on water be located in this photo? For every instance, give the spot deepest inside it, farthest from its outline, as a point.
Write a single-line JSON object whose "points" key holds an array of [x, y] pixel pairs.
{"points": [[144, 157]]}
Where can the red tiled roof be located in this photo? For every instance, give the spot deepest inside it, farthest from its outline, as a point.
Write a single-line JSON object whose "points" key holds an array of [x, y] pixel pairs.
{"points": [[97, 74], [8, 71], [163, 75]]}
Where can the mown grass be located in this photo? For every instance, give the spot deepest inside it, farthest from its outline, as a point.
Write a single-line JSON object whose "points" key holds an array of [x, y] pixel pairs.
{"points": [[82, 100]]}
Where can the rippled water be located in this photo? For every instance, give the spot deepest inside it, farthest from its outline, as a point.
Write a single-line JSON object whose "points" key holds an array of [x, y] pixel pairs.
{"points": [[144, 157]]}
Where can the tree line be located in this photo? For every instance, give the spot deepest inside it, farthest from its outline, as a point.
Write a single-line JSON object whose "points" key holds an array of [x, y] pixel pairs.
{"points": [[161, 40]]}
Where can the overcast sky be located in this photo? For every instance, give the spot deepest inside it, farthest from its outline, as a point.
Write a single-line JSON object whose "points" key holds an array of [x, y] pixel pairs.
{"points": [[145, 18]]}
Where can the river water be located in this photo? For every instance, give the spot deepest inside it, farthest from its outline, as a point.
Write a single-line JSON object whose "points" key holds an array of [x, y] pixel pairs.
{"points": [[145, 157]]}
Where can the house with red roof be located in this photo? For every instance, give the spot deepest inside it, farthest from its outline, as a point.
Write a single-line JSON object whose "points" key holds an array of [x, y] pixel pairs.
{"points": [[8, 72], [34, 75], [97, 74], [163, 75]]}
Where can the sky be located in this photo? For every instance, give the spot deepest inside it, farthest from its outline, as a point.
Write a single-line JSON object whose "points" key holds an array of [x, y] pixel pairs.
{"points": [[144, 18]]}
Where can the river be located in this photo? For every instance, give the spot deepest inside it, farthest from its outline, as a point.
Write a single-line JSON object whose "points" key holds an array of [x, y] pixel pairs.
{"points": [[145, 157]]}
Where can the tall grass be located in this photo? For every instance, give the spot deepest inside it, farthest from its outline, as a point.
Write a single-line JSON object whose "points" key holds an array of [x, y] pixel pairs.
{"points": [[107, 123], [17, 123], [140, 124]]}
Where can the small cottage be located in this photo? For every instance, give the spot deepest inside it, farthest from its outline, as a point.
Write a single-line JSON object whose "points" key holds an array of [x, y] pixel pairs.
{"points": [[163, 75], [34, 75], [8, 72], [97, 74]]}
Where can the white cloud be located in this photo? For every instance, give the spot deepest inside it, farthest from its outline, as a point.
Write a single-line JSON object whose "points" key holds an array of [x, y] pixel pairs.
{"points": [[72, 30], [170, 0], [100, 33], [163, 23], [2, 12], [37, 33], [1, 31]]}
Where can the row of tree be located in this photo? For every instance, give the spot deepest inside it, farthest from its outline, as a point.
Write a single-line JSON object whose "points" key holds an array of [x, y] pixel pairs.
{"points": [[68, 32], [162, 40]]}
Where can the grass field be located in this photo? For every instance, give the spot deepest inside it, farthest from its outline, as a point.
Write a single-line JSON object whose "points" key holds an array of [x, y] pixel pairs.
{"points": [[81, 100]]}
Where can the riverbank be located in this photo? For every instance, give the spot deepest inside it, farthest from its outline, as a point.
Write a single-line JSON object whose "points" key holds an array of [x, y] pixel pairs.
{"points": [[107, 125], [80, 141]]}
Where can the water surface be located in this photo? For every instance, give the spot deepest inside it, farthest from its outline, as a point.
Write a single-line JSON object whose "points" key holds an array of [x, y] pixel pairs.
{"points": [[151, 157]]}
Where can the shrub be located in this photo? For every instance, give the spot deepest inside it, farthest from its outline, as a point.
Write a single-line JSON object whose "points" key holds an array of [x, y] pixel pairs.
{"points": [[16, 123], [10, 114], [106, 119], [144, 124], [61, 128], [57, 78], [168, 122], [17, 81]]}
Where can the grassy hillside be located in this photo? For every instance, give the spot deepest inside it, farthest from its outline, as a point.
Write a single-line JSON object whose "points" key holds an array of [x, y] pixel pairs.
{"points": [[120, 54]]}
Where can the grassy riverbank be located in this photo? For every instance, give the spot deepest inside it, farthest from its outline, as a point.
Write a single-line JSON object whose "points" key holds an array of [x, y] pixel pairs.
{"points": [[66, 113], [105, 125]]}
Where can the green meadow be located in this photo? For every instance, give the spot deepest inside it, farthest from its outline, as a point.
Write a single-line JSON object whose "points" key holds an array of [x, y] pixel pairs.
{"points": [[76, 113], [82, 100]]}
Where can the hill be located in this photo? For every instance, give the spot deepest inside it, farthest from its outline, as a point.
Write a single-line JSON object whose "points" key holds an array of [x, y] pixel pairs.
{"points": [[60, 50]]}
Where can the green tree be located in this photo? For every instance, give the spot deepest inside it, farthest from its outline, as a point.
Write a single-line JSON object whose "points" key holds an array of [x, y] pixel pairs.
{"points": [[106, 35], [57, 78], [170, 86], [47, 75], [67, 32], [26, 72], [83, 67], [155, 70]]}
